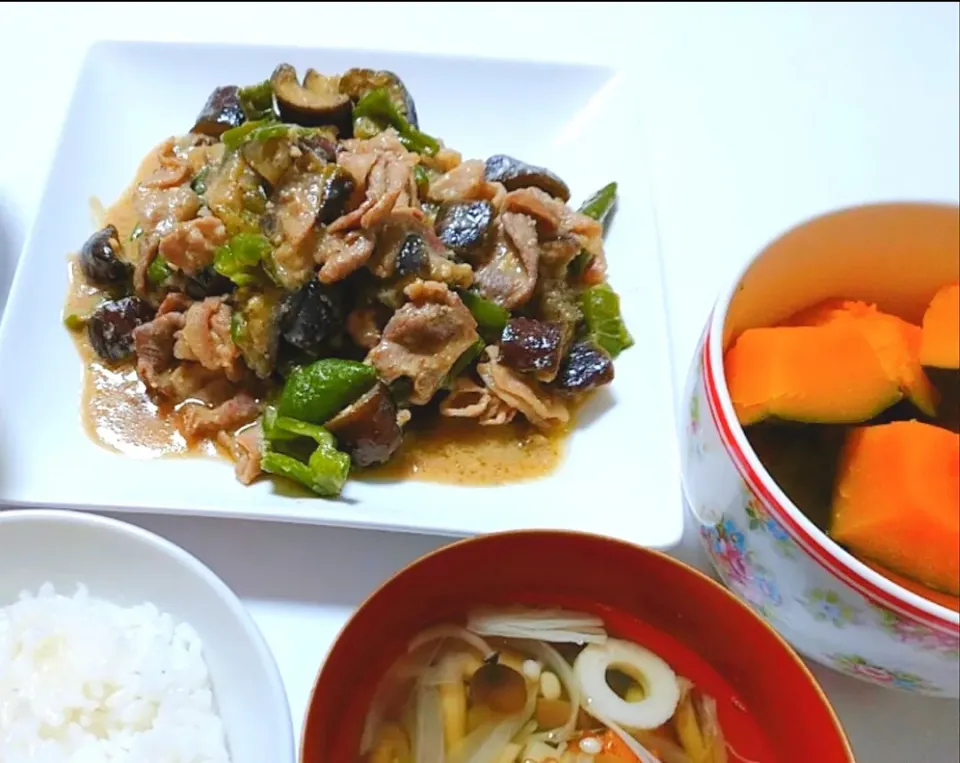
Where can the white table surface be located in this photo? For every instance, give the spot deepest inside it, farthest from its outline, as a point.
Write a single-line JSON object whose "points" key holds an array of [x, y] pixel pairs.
{"points": [[754, 118]]}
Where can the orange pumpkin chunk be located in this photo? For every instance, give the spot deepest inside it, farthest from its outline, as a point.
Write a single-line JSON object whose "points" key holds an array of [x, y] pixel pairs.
{"points": [[816, 374], [940, 338], [896, 342], [897, 501]]}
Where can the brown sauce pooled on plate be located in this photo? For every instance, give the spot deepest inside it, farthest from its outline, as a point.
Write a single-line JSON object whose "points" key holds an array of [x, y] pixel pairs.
{"points": [[120, 415], [116, 409], [458, 452]]}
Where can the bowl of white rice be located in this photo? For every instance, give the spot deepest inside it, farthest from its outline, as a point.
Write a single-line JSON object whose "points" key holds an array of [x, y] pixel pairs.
{"points": [[117, 646]]}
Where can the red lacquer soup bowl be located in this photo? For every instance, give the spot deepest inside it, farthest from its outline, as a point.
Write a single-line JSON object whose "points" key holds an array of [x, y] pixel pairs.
{"points": [[770, 707]]}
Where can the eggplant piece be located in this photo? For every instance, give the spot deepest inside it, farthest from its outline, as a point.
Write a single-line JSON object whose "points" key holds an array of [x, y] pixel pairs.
{"points": [[532, 347], [233, 191], [269, 158], [311, 316], [316, 102], [368, 429], [389, 292], [323, 194], [110, 328], [255, 329], [221, 112], [100, 260], [515, 174], [412, 259], [586, 367], [277, 148], [316, 148], [356, 83], [557, 302], [207, 283], [338, 187], [465, 226]]}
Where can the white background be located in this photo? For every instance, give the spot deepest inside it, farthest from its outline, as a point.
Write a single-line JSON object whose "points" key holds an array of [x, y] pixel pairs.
{"points": [[754, 117]]}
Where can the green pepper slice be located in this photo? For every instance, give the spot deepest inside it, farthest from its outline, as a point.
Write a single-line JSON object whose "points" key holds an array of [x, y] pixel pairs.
{"points": [[601, 204], [378, 107], [158, 271], [491, 318], [316, 392], [601, 313], [463, 362], [257, 100], [240, 256], [324, 470], [598, 206]]}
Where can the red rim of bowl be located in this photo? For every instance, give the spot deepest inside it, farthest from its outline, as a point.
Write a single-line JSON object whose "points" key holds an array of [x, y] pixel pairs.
{"points": [[824, 551]]}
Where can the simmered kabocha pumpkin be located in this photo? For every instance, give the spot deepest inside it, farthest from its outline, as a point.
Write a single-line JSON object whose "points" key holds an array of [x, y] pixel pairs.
{"points": [[814, 374], [940, 353], [895, 341], [940, 339], [838, 362], [897, 500]]}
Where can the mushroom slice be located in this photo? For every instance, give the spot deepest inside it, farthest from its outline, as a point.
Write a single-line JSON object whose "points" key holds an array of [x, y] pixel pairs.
{"points": [[316, 102]]}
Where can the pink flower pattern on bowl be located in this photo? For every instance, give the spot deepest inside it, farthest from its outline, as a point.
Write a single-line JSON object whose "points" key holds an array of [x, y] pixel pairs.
{"points": [[909, 632], [821, 613], [763, 520], [735, 564], [858, 667]]}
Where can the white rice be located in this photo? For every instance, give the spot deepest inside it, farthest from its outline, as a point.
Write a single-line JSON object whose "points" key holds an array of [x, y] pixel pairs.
{"points": [[86, 681]]}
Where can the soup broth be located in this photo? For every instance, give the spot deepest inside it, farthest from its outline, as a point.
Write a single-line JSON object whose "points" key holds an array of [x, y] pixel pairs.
{"points": [[551, 686]]}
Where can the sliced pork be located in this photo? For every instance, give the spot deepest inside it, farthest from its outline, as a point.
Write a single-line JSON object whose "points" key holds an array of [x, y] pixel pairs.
{"points": [[190, 246], [205, 338], [509, 275], [173, 168], [341, 254], [424, 338], [469, 400], [542, 408], [198, 422]]}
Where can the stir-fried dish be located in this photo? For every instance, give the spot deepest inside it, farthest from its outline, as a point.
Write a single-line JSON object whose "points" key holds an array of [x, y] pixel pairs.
{"points": [[306, 275], [536, 686]]}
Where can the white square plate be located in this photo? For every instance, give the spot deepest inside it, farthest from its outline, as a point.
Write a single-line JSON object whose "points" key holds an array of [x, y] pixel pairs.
{"points": [[620, 473]]}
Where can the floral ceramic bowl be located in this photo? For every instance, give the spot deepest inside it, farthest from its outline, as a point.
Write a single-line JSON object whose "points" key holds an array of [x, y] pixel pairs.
{"points": [[830, 606]]}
